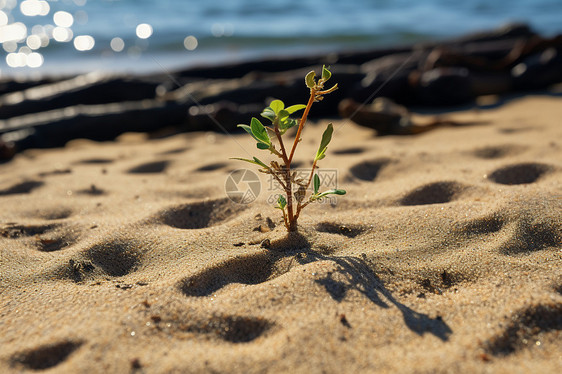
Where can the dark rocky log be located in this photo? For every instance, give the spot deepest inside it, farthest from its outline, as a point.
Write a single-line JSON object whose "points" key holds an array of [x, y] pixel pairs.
{"points": [[8, 85], [97, 122], [538, 70], [84, 89]]}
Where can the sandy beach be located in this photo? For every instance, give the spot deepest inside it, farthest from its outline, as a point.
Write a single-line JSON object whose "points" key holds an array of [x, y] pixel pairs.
{"points": [[445, 256]]}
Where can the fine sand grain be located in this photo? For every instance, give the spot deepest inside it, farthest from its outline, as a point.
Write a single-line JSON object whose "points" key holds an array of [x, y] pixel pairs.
{"points": [[444, 256]]}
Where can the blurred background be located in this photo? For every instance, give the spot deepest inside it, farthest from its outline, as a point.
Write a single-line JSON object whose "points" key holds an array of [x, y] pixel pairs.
{"points": [[77, 36]]}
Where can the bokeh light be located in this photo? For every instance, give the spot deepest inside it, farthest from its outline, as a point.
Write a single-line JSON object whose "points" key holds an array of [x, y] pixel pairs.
{"points": [[33, 8], [15, 32], [144, 31], [62, 34], [217, 30], [190, 43], [33, 41], [35, 60], [3, 18], [63, 19], [10, 46], [16, 60], [117, 44], [84, 42]]}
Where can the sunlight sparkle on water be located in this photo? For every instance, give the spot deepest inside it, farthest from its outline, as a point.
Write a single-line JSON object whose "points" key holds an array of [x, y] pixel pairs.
{"points": [[3, 18], [14, 32], [34, 8], [84, 42], [117, 44], [16, 60], [10, 46], [190, 43], [34, 60], [33, 41], [62, 34], [63, 19], [24, 58], [144, 31]]}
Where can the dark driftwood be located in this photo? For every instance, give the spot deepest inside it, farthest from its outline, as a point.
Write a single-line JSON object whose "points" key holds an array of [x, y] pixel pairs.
{"points": [[84, 89], [49, 112]]}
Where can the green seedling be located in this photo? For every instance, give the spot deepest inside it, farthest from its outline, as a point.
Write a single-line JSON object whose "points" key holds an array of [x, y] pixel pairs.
{"points": [[294, 200]]}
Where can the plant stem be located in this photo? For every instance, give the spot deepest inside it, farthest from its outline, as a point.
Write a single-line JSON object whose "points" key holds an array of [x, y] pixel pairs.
{"points": [[301, 124], [279, 180], [290, 221], [289, 191], [283, 154], [299, 207]]}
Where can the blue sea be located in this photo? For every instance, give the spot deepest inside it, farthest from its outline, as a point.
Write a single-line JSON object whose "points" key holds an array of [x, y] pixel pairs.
{"points": [[71, 36]]}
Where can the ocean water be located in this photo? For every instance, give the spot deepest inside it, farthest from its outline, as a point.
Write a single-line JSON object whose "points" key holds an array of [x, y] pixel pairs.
{"points": [[65, 36]]}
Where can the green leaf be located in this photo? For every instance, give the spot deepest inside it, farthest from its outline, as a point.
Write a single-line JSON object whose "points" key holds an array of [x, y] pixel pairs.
{"points": [[281, 202], [283, 127], [283, 115], [309, 79], [326, 74], [259, 162], [259, 131], [326, 138], [295, 108], [254, 161], [269, 114], [329, 192], [290, 123], [316, 183], [247, 129], [276, 106], [263, 146]]}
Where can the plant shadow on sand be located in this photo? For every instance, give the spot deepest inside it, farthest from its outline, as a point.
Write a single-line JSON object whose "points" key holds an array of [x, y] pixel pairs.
{"points": [[354, 274]]}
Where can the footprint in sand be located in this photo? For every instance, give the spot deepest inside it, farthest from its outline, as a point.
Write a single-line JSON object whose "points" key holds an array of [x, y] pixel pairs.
{"points": [[47, 238], [21, 188], [51, 213], [499, 151], [150, 167], [211, 167], [174, 151], [45, 356], [349, 151], [369, 170], [524, 326], [252, 269], [528, 237], [14, 231], [229, 328], [523, 173], [96, 161], [433, 193], [116, 257], [200, 215], [481, 226]]}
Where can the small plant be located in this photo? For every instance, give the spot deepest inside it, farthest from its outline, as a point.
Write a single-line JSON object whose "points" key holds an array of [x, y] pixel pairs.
{"points": [[295, 188]]}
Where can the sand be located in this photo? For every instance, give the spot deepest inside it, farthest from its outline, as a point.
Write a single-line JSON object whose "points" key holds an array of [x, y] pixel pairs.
{"points": [[444, 256]]}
